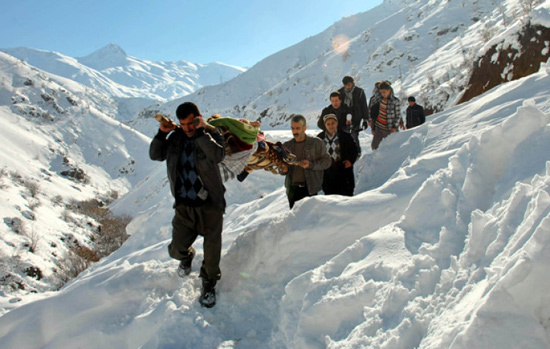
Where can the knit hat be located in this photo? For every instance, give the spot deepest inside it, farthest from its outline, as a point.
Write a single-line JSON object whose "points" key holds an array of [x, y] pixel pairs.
{"points": [[412, 99], [329, 116]]}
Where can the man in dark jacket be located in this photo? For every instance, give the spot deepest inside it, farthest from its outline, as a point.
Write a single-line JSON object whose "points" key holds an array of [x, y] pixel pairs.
{"points": [[338, 178], [339, 109], [415, 114], [354, 97], [192, 156]]}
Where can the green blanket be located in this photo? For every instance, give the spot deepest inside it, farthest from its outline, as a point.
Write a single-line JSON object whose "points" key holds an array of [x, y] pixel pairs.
{"points": [[245, 132]]}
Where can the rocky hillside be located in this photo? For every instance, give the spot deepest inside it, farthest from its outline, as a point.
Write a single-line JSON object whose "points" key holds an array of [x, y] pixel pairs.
{"points": [[507, 61]]}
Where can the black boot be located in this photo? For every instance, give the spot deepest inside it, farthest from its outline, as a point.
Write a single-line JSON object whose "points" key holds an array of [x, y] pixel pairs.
{"points": [[184, 268], [208, 293]]}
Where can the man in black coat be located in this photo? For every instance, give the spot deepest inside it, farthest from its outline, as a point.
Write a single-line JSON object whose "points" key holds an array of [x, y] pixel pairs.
{"points": [[338, 178], [337, 108], [354, 97], [415, 114], [192, 154]]}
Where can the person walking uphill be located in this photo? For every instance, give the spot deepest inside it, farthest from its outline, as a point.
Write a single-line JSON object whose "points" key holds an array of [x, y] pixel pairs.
{"points": [[385, 115], [338, 178], [192, 154], [337, 108], [354, 98], [415, 114], [306, 177]]}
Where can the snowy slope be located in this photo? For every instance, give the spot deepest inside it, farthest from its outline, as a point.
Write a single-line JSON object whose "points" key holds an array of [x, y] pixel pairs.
{"points": [[60, 143], [425, 47], [446, 244], [111, 70]]}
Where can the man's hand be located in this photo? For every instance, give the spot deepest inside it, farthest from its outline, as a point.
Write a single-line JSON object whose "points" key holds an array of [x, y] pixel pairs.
{"points": [[304, 164], [347, 164], [167, 128], [393, 130], [199, 122], [166, 124]]}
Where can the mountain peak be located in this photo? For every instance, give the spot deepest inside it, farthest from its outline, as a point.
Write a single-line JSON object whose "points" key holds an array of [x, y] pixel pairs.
{"points": [[109, 56], [111, 50]]}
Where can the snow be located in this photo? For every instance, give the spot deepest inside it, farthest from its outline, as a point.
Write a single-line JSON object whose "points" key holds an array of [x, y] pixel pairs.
{"points": [[445, 244], [541, 15]]}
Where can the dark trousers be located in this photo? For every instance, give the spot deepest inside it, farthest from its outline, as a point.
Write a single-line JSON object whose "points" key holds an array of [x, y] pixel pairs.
{"points": [[296, 193], [355, 135], [187, 225], [379, 135], [338, 181]]}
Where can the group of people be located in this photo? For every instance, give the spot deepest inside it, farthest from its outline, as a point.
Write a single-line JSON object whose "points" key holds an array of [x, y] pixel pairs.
{"points": [[326, 161], [193, 151]]}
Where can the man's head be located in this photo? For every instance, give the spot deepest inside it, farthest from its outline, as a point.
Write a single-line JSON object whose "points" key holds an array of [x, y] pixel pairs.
{"points": [[348, 82], [335, 99], [186, 114], [385, 90], [331, 124], [298, 127], [412, 101]]}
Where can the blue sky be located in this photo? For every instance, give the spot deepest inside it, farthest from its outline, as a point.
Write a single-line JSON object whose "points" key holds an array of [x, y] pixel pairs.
{"points": [[237, 32]]}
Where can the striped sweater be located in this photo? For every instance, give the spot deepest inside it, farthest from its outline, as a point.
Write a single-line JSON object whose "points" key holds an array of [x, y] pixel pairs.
{"points": [[386, 114]]}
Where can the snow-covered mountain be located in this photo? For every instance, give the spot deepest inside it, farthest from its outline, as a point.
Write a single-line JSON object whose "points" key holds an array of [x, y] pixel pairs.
{"points": [[446, 243], [425, 48], [112, 71], [60, 145]]}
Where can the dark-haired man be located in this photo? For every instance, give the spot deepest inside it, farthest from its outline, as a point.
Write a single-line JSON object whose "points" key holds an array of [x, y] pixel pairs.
{"points": [[192, 154], [306, 177], [339, 109], [415, 114], [354, 98], [385, 115]]}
